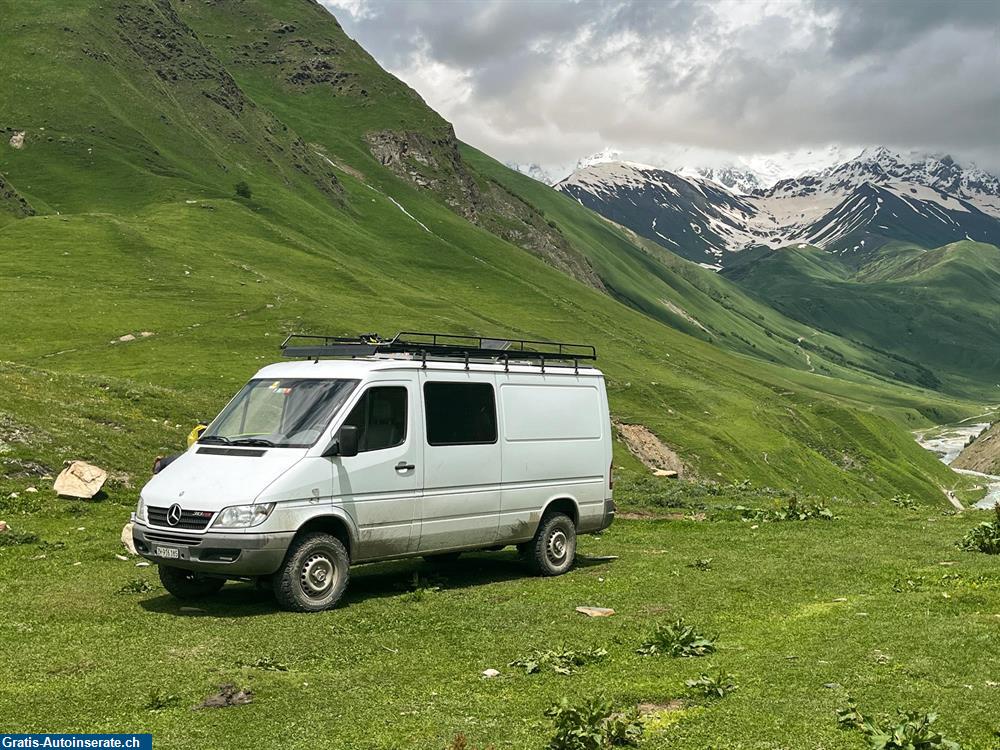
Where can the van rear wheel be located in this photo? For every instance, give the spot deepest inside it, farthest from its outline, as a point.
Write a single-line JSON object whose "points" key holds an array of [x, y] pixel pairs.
{"points": [[314, 574], [553, 550], [186, 584]]}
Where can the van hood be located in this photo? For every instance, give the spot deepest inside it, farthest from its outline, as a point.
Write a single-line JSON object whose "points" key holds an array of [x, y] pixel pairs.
{"points": [[199, 480]]}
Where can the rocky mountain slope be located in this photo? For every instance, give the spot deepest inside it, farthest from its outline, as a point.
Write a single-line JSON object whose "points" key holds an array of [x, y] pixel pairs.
{"points": [[983, 453]]}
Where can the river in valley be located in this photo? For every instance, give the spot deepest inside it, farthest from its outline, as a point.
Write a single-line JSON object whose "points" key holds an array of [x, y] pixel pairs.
{"points": [[948, 441]]}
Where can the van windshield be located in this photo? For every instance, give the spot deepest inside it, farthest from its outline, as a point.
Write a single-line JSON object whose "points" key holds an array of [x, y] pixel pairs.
{"points": [[289, 413]]}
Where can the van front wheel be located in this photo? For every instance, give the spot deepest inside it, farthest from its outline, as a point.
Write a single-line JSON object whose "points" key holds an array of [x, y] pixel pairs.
{"points": [[553, 550], [314, 574]]}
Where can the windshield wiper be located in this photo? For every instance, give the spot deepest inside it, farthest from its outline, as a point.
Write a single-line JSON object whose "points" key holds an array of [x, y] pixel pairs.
{"points": [[214, 439], [253, 441]]}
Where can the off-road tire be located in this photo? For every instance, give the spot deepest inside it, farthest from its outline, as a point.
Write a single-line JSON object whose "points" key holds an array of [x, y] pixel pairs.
{"points": [[553, 550], [186, 584], [443, 558], [314, 574]]}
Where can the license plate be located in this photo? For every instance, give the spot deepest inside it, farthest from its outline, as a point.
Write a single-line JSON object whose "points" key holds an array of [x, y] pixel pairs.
{"points": [[171, 553]]}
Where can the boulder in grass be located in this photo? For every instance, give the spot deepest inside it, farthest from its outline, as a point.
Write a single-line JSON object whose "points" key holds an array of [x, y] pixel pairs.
{"points": [[595, 611], [127, 540], [4, 527], [80, 480]]}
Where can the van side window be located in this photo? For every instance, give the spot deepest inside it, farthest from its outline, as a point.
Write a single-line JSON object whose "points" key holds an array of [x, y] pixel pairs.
{"points": [[380, 417], [460, 413]]}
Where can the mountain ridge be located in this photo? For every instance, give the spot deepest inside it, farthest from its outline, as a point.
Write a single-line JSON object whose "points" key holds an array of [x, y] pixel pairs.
{"points": [[934, 201]]}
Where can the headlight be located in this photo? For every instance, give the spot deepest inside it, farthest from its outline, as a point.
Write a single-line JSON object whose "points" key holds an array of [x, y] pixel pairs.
{"points": [[140, 510], [243, 516]]}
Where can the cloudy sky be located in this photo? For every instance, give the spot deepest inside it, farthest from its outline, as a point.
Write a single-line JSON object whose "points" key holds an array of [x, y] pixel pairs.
{"points": [[675, 82]]}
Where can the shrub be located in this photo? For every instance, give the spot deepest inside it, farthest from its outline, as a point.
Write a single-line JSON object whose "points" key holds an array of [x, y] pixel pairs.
{"points": [[793, 510], [461, 742], [909, 730], [904, 501], [562, 662], [985, 537], [243, 190], [12, 538], [158, 700], [592, 725], [267, 664], [910, 584], [678, 639], [136, 586], [715, 687], [703, 564]]}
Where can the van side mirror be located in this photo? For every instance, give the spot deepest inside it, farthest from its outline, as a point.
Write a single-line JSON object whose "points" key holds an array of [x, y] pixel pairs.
{"points": [[345, 444]]}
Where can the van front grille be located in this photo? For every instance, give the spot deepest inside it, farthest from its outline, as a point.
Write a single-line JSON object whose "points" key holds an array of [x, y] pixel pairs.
{"points": [[190, 519], [187, 541]]}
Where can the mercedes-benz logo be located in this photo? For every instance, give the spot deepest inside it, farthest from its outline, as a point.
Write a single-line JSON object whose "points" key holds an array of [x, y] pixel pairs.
{"points": [[174, 514]]}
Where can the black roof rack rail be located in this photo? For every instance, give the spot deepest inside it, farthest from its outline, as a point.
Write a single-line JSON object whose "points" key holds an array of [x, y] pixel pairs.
{"points": [[424, 346]]}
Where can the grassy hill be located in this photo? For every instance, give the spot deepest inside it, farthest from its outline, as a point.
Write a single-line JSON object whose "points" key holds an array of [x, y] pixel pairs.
{"points": [[936, 307], [130, 162]]}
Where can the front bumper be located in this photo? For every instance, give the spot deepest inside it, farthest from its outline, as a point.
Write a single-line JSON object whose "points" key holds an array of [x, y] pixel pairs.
{"points": [[221, 554]]}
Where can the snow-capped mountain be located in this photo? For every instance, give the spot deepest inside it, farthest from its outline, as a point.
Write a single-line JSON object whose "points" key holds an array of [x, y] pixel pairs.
{"points": [[854, 206], [880, 166], [535, 172], [601, 157], [747, 175], [739, 181], [693, 216]]}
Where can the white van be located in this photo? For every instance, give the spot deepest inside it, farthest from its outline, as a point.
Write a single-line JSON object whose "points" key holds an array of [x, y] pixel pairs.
{"points": [[373, 449]]}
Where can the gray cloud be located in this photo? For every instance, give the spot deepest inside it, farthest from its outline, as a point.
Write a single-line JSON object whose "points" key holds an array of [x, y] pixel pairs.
{"points": [[550, 81]]}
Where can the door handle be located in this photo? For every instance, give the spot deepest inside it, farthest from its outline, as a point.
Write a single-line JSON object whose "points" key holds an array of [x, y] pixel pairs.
{"points": [[403, 466]]}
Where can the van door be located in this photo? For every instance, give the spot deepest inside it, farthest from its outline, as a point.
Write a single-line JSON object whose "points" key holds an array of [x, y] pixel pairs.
{"points": [[460, 506], [380, 487]]}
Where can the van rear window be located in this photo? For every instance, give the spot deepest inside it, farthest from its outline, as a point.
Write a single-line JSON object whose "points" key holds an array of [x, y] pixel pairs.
{"points": [[460, 413]]}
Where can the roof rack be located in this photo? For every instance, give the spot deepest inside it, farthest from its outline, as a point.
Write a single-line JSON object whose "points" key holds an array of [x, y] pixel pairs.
{"points": [[436, 346]]}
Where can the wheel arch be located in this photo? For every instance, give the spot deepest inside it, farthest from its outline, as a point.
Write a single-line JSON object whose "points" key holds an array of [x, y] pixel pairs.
{"points": [[562, 504], [331, 523]]}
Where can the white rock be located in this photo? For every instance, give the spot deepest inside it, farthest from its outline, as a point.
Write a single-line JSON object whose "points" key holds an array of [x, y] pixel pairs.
{"points": [[127, 541], [490, 673], [4, 527], [142, 564], [31, 489], [127, 337], [121, 557], [595, 611], [80, 479]]}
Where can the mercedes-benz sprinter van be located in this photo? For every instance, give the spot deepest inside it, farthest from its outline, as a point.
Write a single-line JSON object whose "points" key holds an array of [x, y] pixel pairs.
{"points": [[373, 449]]}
